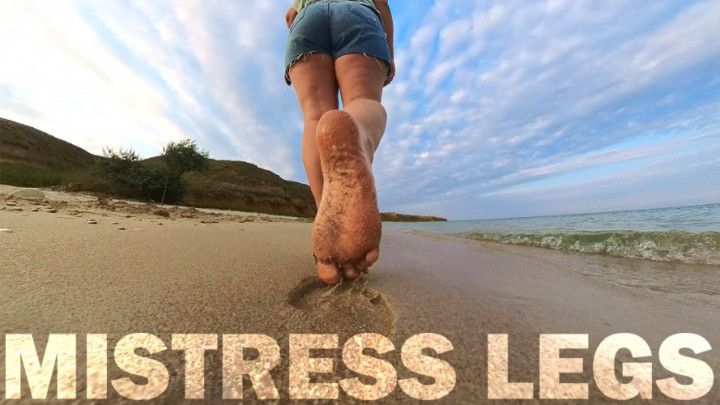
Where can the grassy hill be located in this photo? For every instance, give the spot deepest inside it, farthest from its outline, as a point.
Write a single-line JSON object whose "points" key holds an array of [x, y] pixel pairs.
{"points": [[32, 158], [29, 157], [243, 186], [21, 143]]}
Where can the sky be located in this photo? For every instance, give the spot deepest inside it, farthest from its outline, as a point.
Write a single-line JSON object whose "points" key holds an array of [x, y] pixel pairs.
{"points": [[499, 108]]}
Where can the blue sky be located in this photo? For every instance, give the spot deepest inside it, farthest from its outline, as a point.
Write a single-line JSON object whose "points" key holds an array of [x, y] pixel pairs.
{"points": [[499, 108]]}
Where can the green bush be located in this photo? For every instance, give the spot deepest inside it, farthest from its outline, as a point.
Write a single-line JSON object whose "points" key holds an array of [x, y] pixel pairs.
{"points": [[120, 173], [152, 185], [123, 174]]}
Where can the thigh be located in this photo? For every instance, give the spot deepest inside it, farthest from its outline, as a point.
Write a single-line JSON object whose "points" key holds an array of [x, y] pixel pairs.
{"points": [[360, 76], [313, 78]]}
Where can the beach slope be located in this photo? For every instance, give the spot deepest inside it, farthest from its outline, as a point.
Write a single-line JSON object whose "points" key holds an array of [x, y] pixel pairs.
{"points": [[86, 269]]}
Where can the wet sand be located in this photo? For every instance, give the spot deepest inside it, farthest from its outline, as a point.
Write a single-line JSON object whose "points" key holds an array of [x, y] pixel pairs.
{"points": [[60, 274]]}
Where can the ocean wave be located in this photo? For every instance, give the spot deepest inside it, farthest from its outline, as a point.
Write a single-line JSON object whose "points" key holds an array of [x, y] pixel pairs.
{"points": [[664, 246]]}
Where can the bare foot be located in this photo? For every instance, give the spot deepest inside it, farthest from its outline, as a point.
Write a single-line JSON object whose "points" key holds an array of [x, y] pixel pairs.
{"points": [[346, 231]]}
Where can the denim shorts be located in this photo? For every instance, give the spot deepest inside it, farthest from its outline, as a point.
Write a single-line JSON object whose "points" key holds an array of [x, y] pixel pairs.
{"points": [[336, 28]]}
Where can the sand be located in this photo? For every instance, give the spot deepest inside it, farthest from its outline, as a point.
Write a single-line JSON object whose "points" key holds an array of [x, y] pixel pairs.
{"points": [[249, 273]]}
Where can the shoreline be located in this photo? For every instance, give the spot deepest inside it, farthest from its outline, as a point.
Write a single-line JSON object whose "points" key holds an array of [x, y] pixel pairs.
{"points": [[644, 248], [674, 246]]}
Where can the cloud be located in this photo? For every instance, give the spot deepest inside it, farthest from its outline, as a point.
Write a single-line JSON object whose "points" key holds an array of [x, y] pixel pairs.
{"points": [[143, 74], [499, 108], [78, 88], [552, 89]]}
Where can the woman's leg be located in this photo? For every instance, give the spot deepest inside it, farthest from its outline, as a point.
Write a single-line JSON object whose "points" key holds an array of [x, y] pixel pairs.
{"points": [[346, 233], [314, 81], [361, 79]]}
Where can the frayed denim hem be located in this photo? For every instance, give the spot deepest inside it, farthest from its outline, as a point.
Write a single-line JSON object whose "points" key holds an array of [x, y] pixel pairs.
{"points": [[380, 61], [300, 58]]}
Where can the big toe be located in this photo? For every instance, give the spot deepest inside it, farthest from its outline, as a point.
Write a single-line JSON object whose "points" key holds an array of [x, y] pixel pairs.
{"points": [[328, 272]]}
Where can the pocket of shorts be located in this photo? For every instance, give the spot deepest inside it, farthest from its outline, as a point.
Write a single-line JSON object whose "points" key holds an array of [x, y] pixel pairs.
{"points": [[297, 19], [366, 14]]}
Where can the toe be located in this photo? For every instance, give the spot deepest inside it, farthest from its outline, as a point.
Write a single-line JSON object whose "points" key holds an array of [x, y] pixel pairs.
{"points": [[369, 259], [351, 271], [328, 272]]}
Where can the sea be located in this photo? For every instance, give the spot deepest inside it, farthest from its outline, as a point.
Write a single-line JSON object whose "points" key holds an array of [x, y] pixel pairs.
{"points": [[688, 234]]}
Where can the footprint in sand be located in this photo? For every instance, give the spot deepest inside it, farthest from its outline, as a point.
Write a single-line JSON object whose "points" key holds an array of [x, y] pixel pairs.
{"points": [[347, 308]]}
